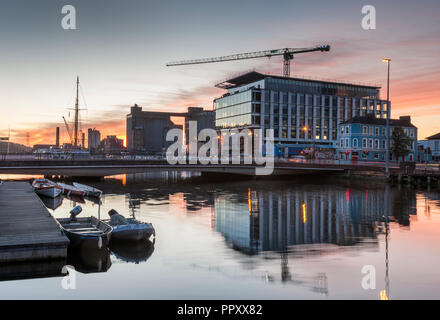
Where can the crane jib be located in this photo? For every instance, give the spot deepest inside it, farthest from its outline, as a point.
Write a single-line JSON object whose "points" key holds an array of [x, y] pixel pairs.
{"points": [[286, 52]]}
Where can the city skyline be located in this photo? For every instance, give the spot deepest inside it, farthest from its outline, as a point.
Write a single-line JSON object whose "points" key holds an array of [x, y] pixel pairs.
{"points": [[120, 57]]}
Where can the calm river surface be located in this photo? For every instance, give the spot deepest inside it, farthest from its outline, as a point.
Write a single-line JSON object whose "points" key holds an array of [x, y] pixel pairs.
{"points": [[300, 238]]}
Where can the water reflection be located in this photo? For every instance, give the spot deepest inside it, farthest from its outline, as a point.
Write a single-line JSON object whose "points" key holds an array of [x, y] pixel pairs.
{"points": [[89, 260], [52, 203], [282, 220], [31, 270], [132, 251], [304, 235]]}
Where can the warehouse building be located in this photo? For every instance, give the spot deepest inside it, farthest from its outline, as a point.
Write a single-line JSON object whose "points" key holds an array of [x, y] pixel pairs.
{"points": [[147, 130]]}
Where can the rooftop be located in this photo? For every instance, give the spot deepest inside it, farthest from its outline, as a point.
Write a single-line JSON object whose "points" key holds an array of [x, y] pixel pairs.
{"points": [[434, 137], [254, 76], [403, 121]]}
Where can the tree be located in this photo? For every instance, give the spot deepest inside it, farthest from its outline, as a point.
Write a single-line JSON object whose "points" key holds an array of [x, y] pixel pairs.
{"points": [[401, 143]]}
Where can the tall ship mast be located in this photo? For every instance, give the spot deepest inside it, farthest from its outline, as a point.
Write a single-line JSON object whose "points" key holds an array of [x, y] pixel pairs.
{"points": [[76, 114]]}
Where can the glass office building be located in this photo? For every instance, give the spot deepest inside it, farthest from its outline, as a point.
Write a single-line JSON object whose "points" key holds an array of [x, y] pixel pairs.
{"points": [[301, 111]]}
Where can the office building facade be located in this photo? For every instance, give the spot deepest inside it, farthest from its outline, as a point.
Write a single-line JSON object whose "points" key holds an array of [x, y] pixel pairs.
{"points": [[301, 112]]}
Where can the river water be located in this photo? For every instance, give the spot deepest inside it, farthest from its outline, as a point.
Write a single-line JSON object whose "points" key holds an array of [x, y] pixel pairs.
{"points": [[298, 238]]}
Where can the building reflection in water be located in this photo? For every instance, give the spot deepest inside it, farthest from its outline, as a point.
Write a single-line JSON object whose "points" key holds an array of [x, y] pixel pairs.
{"points": [[280, 221], [294, 222]]}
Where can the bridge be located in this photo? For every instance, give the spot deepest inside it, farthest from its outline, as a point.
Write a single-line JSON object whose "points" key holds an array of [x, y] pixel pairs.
{"points": [[100, 168]]}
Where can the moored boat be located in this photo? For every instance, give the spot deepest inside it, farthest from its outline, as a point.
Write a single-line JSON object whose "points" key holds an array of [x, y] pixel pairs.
{"points": [[90, 191], [87, 232], [46, 188], [71, 190], [129, 228]]}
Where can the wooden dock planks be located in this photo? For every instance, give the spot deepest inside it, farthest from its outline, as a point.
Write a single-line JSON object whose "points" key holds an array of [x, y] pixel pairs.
{"points": [[27, 230]]}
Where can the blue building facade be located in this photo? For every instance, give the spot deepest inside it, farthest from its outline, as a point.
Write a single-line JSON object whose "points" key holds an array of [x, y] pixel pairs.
{"points": [[364, 138]]}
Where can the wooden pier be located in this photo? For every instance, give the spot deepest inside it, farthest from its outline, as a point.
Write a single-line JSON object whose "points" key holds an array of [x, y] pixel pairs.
{"points": [[27, 229]]}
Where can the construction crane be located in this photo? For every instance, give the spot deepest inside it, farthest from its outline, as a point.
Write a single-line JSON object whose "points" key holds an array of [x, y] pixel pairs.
{"points": [[287, 54], [68, 130]]}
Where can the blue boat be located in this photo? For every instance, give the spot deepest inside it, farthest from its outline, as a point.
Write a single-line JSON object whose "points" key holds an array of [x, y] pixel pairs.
{"points": [[129, 228]]}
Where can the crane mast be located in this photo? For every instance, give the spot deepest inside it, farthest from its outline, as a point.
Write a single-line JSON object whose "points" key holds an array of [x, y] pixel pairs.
{"points": [[287, 54], [68, 130], [76, 114]]}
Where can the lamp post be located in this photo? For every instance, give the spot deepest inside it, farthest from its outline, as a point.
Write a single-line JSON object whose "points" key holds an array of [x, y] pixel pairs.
{"points": [[387, 153]]}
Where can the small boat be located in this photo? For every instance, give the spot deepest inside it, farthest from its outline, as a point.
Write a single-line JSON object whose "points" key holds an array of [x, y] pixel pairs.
{"points": [[47, 188], [71, 190], [87, 232], [129, 228], [90, 191]]}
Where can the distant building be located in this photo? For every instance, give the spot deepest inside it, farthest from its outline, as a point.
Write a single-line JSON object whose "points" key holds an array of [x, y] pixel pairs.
{"points": [[94, 139], [43, 147], [205, 120], [147, 130], [432, 144], [364, 138], [302, 112], [424, 154], [57, 137], [112, 145]]}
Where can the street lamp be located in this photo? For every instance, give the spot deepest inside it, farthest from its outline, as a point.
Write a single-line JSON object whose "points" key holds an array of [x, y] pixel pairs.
{"points": [[387, 153]]}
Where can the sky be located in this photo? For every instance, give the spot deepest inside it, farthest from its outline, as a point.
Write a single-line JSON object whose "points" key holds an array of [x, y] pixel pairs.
{"points": [[120, 49]]}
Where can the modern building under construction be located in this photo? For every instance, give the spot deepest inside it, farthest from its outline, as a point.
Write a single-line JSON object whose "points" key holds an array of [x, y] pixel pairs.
{"points": [[302, 112]]}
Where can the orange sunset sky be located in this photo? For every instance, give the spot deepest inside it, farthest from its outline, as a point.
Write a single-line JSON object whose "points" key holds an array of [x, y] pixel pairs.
{"points": [[120, 49]]}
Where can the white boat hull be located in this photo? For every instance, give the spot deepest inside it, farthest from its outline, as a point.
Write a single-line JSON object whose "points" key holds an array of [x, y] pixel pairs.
{"points": [[51, 192], [90, 191]]}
